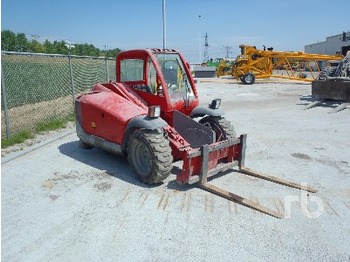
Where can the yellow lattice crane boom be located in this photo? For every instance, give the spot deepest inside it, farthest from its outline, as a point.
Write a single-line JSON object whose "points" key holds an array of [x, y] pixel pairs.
{"points": [[255, 63]]}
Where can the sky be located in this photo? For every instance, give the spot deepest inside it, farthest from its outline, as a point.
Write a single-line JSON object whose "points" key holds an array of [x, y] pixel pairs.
{"points": [[284, 25]]}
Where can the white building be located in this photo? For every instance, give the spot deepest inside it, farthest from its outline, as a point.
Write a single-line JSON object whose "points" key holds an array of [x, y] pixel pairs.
{"points": [[338, 44]]}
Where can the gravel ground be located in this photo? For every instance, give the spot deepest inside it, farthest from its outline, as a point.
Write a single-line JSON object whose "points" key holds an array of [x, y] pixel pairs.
{"points": [[63, 203]]}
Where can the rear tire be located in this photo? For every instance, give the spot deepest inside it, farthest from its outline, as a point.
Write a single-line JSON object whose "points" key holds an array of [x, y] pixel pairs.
{"points": [[222, 128], [149, 156], [248, 79]]}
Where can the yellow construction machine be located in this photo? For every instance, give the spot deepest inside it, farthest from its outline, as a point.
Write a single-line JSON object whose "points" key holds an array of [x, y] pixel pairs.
{"points": [[255, 63]]}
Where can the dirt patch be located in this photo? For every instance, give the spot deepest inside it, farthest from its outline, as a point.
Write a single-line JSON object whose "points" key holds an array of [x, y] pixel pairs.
{"points": [[53, 197], [301, 156], [75, 175], [341, 166], [103, 186], [48, 184]]}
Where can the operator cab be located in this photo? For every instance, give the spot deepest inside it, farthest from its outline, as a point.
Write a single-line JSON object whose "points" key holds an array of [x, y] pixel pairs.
{"points": [[176, 79], [160, 77]]}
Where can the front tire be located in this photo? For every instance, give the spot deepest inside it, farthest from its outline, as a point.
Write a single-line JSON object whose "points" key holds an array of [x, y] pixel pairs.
{"points": [[149, 156]]}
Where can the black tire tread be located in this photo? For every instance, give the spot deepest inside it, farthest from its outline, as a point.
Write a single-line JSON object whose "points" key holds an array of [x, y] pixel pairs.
{"points": [[228, 128], [244, 79], [161, 154], [224, 124]]}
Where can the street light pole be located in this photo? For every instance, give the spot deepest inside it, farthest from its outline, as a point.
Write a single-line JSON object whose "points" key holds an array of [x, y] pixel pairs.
{"points": [[200, 39], [164, 26]]}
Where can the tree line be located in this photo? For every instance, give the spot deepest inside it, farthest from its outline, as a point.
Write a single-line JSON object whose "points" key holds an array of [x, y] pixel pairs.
{"points": [[11, 41]]}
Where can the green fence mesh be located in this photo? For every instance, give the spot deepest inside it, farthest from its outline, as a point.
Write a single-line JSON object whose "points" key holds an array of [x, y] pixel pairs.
{"points": [[37, 88]]}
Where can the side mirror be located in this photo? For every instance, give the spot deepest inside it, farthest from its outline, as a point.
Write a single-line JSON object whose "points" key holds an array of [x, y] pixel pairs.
{"points": [[215, 104]]}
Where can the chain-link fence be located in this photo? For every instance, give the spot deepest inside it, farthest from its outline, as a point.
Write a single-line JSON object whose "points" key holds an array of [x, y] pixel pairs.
{"points": [[38, 88]]}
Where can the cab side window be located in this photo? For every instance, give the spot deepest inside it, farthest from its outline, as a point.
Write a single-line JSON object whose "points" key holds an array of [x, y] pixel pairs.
{"points": [[132, 70], [152, 77]]}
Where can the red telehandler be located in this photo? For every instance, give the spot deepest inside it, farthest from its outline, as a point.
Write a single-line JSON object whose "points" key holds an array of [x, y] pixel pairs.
{"points": [[151, 116]]}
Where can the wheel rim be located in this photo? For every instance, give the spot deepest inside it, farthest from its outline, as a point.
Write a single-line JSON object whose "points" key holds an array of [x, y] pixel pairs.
{"points": [[143, 159], [248, 78]]}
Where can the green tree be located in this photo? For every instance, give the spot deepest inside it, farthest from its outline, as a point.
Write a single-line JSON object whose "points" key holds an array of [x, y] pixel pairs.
{"points": [[11, 41], [36, 47], [21, 43], [8, 40], [113, 52], [60, 47], [48, 47]]}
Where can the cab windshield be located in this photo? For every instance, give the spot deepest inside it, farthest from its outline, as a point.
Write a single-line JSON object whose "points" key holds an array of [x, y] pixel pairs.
{"points": [[175, 77]]}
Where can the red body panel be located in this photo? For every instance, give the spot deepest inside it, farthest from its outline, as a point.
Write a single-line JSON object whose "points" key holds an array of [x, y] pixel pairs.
{"points": [[192, 165], [105, 114]]}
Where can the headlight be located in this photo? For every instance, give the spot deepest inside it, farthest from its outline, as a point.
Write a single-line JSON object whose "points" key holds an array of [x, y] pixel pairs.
{"points": [[154, 111], [215, 104]]}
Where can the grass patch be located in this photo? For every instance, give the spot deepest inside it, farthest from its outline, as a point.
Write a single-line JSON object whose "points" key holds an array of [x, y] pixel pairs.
{"points": [[17, 138], [54, 124], [40, 127], [50, 125]]}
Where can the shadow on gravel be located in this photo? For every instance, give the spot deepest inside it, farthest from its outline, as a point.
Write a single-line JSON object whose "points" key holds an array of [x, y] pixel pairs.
{"points": [[309, 100], [117, 166], [184, 187], [306, 100], [113, 165], [178, 187]]}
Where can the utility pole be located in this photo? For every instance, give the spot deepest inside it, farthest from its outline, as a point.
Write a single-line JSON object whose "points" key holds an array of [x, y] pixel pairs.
{"points": [[227, 48], [164, 26], [200, 39], [206, 45]]}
